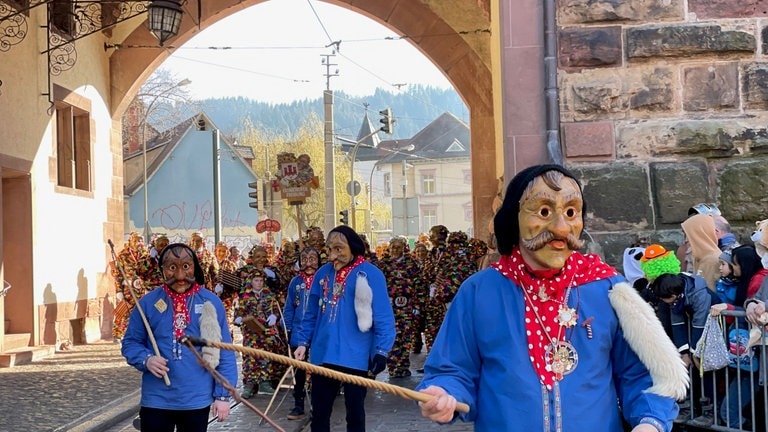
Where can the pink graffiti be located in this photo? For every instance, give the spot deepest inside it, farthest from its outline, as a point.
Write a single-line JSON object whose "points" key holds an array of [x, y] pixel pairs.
{"points": [[183, 216]]}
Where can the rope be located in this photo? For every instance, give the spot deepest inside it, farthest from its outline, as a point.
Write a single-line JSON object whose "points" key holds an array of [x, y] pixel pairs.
{"points": [[227, 386], [330, 373]]}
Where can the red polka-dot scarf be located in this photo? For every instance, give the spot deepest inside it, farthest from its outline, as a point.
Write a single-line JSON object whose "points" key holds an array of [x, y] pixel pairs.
{"points": [[181, 318], [578, 270]]}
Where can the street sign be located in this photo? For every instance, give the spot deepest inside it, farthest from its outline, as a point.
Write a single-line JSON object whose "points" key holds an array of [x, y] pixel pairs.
{"points": [[353, 188]]}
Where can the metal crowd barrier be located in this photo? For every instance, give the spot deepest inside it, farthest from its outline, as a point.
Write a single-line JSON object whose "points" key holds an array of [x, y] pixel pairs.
{"points": [[740, 384]]}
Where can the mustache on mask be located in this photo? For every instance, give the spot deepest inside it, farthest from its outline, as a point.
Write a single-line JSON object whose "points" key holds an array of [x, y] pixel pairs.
{"points": [[541, 240], [173, 280]]}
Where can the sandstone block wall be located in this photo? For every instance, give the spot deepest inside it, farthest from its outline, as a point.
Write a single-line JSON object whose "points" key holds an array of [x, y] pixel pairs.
{"points": [[664, 104]]}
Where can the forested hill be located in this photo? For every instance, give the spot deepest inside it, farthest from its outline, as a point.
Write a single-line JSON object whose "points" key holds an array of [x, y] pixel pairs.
{"points": [[413, 109]]}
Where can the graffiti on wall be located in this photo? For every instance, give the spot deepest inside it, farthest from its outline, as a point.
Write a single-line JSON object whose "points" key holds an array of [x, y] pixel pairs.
{"points": [[183, 216]]}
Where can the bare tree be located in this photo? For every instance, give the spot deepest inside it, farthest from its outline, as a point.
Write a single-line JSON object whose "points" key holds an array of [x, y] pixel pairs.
{"points": [[162, 102]]}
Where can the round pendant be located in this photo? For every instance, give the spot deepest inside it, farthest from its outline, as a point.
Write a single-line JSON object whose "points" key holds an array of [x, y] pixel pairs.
{"points": [[566, 316], [180, 321], [562, 358]]}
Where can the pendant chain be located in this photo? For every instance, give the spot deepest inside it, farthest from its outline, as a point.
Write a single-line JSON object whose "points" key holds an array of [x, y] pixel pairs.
{"points": [[560, 325]]}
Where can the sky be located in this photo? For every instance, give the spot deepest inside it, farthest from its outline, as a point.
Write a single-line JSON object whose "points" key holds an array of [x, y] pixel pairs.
{"points": [[274, 52]]}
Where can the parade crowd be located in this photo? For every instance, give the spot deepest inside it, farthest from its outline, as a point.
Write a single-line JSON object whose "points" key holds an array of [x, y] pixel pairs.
{"points": [[266, 294], [527, 296]]}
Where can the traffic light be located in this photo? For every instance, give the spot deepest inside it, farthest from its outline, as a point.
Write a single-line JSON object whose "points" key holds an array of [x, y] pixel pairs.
{"points": [[344, 217], [254, 194], [387, 121]]}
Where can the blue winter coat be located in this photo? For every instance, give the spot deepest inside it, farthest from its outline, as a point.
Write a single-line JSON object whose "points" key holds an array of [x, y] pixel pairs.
{"points": [[481, 357], [192, 387], [336, 339]]}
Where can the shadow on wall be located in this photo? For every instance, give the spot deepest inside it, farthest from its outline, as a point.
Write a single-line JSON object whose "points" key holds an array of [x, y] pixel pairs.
{"points": [[78, 322], [107, 315], [51, 306]]}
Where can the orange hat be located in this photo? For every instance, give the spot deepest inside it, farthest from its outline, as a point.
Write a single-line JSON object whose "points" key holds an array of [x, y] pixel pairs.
{"points": [[654, 251]]}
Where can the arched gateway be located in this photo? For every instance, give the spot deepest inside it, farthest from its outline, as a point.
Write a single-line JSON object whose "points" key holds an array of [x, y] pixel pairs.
{"points": [[454, 34]]}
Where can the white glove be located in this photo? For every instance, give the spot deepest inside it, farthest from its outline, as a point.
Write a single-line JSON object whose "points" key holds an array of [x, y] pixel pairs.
{"points": [[153, 253], [415, 312], [218, 289], [239, 320], [120, 296], [271, 320], [432, 289], [269, 273]]}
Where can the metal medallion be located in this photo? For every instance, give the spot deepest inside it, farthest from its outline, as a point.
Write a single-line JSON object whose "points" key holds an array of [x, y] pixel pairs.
{"points": [[566, 316], [561, 357]]}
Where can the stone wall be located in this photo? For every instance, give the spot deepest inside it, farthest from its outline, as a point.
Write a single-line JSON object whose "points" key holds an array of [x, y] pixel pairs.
{"points": [[664, 104]]}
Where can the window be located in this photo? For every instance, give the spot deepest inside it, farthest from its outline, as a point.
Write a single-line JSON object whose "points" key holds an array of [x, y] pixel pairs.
{"points": [[388, 184], [428, 183], [63, 16], [455, 147], [73, 147], [428, 218]]}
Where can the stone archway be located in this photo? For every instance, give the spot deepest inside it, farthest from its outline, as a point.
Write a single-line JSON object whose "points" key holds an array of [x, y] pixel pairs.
{"points": [[462, 52]]}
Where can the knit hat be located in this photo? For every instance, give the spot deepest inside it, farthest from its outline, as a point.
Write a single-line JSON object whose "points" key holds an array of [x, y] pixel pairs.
{"points": [[657, 261], [356, 245], [727, 256], [505, 223]]}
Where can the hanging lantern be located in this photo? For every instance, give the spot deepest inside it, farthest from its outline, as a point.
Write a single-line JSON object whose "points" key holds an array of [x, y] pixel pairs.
{"points": [[164, 19]]}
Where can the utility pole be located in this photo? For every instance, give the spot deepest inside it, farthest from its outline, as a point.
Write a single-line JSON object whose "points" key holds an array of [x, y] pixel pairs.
{"points": [[216, 146], [330, 170]]}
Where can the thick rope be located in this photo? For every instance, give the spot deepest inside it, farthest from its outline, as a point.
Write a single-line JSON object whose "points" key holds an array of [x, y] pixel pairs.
{"points": [[330, 373], [227, 386]]}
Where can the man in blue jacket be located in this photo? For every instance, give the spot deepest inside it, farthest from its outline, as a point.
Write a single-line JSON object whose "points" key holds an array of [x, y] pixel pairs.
{"points": [[350, 326], [546, 325], [181, 306]]}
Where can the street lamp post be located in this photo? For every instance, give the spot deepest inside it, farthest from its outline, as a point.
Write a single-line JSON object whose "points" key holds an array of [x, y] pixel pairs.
{"points": [[147, 111], [352, 157], [376, 166], [352, 205], [404, 184]]}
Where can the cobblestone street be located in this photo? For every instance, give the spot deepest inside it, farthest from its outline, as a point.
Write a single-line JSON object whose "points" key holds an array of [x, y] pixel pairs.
{"points": [[90, 388], [54, 393]]}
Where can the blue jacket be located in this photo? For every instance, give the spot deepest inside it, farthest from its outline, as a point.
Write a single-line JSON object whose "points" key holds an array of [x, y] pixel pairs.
{"points": [[192, 387], [693, 313], [481, 357], [296, 301], [336, 339]]}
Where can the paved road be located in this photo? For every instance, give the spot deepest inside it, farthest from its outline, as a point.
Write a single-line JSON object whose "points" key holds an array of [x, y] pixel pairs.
{"points": [[90, 388], [384, 413], [62, 391]]}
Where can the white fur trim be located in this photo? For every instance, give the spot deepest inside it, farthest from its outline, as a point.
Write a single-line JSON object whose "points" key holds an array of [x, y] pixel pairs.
{"points": [[210, 331], [363, 302], [646, 337]]}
